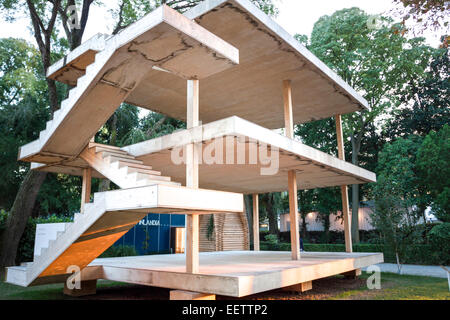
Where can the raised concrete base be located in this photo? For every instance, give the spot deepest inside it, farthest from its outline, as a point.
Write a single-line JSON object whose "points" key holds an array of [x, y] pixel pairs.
{"points": [[87, 288], [188, 295], [301, 287], [354, 274]]}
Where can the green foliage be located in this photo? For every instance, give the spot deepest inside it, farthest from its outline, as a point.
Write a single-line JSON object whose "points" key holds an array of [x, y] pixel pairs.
{"points": [[440, 238], [415, 254], [59, 194], [271, 239], [23, 110], [119, 251], [129, 11], [210, 229], [434, 171], [425, 106], [399, 196]]}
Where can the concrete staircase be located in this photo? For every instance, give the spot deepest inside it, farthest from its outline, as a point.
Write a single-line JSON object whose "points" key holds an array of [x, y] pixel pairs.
{"points": [[82, 241], [122, 168]]}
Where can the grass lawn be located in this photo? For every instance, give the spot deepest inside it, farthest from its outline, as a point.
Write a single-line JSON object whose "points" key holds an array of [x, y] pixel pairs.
{"points": [[393, 287]]}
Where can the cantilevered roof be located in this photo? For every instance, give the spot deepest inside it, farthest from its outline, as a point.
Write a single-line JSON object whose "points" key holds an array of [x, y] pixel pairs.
{"points": [[253, 89], [315, 169]]}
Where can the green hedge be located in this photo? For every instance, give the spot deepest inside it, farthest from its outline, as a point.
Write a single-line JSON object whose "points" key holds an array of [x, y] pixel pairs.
{"points": [[417, 254], [119, 251]]}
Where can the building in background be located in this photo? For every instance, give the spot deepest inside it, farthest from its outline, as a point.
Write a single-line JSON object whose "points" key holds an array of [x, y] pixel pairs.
{"points": [[336, 223]]}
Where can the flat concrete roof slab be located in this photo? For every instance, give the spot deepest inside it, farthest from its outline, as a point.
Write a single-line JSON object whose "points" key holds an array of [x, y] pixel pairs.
{"points": [[315, 169], [253, 89]]}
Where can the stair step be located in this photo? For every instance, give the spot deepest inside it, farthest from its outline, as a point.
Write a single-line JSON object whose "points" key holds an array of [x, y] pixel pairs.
{"points": [[106, 149], [122, 162], [140, 170], [144, 176], [16, 275], [116, 154], [105, 146], [26, 264], [134, 165], [42, 134], [149, 182]]}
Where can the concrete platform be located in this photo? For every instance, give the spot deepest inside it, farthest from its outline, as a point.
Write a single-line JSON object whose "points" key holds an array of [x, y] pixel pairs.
{"points": [[234, 273]]}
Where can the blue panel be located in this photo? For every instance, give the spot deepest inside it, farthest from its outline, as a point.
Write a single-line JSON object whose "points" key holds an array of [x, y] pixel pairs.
{"points": [[164, 220], [128, 238], [141, 243], [152, 234], [178, 220], [153, 239], [164, 239]]}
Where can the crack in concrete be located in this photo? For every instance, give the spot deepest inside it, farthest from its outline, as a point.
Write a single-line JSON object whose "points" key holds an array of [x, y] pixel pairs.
{"points": [[186, 46]]}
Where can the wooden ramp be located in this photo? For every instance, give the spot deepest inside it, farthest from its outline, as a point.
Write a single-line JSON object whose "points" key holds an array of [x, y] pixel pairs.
{"points": [[233, 273], [107, 219]]}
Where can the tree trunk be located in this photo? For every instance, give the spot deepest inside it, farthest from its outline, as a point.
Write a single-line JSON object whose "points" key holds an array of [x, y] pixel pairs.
{"points": [[273, 223], [249, 212], [304, 227], [18, 216]]}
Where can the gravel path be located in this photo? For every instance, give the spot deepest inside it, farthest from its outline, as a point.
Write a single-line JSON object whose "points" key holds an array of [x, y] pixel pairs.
{"points": [[415, 270]]}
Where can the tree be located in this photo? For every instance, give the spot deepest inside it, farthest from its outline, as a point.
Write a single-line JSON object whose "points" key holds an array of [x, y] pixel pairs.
{"points": [[434, 171], [425, 106], [327, 202], [376, 62], [396, 212], [43, 16], [427, 13], [23, 110]]}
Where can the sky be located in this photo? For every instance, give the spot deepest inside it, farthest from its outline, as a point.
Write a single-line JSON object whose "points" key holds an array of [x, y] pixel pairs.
{"points": [[296, 16]]}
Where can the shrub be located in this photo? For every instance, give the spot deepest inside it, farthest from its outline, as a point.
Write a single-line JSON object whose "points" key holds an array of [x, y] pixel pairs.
{"points": [[119, 251], [271, 239], [440, 239], [415, 254]]}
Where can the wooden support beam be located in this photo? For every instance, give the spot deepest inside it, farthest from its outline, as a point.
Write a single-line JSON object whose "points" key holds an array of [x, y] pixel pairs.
{"points": [[301, 287], [192, 243], [293, 214], [344, 191], [256, 222], [292, 174], [87, 288], [86, 188], [354, 274], [288, 115], [188, 295], [192, 179]]}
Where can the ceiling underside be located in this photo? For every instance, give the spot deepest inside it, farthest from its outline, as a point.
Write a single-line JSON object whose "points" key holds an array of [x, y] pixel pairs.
{"points": [[253, 89]]}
